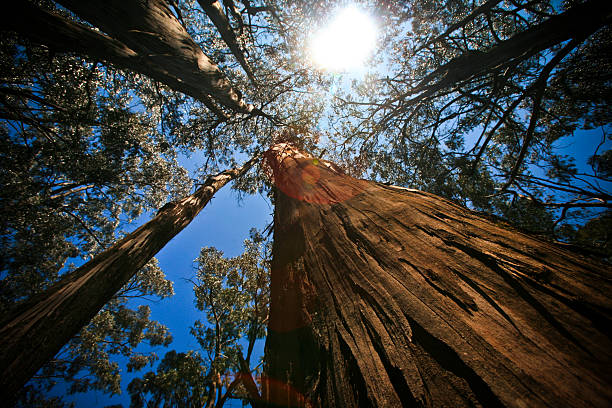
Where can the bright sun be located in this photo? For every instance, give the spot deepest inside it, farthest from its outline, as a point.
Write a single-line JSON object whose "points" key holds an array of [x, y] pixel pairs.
{"points": [[346, 42]]}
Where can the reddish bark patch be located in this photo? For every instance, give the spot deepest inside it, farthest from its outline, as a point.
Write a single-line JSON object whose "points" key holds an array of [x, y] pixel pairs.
{"points": [[309, 179], [398, 297], [282, 394]]}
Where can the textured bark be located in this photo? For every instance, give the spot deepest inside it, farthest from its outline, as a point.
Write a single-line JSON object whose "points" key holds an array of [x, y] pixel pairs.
{"points": [[36, 330], [387, 297], [65, 35], [150, 29], [214, 11]]}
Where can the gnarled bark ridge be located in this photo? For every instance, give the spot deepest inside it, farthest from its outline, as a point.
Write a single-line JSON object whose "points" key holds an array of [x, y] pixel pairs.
{"points": [[36, 330], [387, 297]]}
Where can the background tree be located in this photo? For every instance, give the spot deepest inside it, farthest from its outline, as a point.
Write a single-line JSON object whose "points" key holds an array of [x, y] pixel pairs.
{"points": [[180, 380], [48, 320], [77, 164], [461, 114], [168, 109], [234, 294]]}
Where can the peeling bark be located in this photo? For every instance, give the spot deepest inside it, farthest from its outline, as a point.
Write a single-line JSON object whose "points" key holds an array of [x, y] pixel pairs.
{"points": [[36, 330], [150, 28], [386, 297]]}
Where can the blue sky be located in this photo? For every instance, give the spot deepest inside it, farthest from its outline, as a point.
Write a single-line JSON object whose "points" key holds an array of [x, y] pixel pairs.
{"points": [[224, 223]]}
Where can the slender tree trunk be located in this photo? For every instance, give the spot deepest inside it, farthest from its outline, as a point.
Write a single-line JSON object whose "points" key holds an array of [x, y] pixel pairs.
{"points": [[214, 11], [387, 297], [61, 34], [36, 330], [578, 22]]}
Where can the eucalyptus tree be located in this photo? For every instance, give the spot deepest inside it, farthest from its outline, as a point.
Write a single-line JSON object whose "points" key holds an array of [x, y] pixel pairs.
{"points": [[78, 164], [180, 381], [476, 99], [388, 296], [47, 321], [55, 109], [68, 33], [88, 362], [285, 89], [77, 161], [145, 38], [234, 295], [446, 115]]}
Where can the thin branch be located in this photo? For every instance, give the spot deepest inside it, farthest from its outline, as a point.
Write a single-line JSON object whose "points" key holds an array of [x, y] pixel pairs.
{"points": [[540, 85], [214, 11], [80, 221], [484, 8]]}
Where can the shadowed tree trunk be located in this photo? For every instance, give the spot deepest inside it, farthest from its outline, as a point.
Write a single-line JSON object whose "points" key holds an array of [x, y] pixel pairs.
{"points": [[36, 330], [151, 29], [64, 35], [387, 297]]}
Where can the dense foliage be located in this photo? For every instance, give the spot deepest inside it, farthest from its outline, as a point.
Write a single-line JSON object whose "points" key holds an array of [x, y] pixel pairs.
{"points": [[458, 100], [233, 293], [78, 164]]}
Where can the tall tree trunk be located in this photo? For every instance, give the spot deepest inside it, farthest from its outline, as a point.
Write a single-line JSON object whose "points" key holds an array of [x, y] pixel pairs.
{"points": [[386, 297], [36, 330], [61, 34], [578, 22], [214, 11], [150, 28]]}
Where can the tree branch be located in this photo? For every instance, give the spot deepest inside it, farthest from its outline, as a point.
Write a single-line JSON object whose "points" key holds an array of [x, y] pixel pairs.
{"points": [[540, 85]]}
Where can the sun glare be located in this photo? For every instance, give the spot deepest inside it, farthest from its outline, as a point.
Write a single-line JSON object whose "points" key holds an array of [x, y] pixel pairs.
{"points": [[346, 42]]}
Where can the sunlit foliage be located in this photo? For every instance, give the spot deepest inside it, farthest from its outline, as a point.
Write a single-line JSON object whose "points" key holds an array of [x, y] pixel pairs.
{"points": [[233, 293]]}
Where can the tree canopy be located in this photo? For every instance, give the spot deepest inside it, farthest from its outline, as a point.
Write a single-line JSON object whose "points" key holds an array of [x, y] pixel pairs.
{"points": [[110, 110]]}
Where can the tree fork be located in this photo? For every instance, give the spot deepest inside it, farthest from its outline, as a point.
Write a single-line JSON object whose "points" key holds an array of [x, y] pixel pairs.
{"points": [[385, 296], [36, 330]]}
